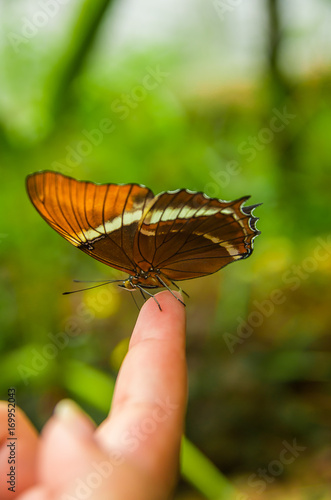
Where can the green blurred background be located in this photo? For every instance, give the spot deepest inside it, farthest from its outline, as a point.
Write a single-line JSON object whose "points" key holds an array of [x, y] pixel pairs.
{"points": [[237, 102]]}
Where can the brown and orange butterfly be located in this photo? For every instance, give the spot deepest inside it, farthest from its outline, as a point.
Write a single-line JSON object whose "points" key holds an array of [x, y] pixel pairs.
{"points": [[173, 236]]}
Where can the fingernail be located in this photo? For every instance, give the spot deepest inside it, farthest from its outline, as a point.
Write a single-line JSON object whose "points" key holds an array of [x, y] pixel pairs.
{"points": [[70, 414]]}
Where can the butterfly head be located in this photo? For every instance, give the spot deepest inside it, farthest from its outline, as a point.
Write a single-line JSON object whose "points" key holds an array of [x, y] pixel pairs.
{"points": [[141, 279]]}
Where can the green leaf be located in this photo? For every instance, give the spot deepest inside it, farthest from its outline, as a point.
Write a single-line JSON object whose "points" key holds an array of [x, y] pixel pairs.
{"points": [[199, 471], [89, 384]]}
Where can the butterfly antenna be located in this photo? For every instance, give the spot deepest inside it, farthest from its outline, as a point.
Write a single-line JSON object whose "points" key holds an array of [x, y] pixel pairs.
{"points": [[95, 281], [90, 287]]}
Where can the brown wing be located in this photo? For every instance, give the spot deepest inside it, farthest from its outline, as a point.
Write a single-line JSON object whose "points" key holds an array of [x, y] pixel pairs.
{"points": [[187, 235], [100, 219]]}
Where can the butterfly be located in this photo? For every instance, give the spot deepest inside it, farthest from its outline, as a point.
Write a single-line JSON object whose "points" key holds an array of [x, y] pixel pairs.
{"points": [[157, 240]]}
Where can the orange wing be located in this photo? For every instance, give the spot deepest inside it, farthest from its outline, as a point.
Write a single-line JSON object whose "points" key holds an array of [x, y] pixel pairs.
{"points": [[99, 219]]}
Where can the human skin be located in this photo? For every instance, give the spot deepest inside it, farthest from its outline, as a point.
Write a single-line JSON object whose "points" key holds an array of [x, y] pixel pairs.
{"points": [[134, 453]]}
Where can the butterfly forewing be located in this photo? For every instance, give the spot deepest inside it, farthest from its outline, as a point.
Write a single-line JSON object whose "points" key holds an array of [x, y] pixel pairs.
{"points": [[187, 235], [100, 219]]}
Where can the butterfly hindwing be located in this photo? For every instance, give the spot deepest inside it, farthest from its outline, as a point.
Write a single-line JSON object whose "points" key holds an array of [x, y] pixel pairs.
{"points": [[187, 235]]}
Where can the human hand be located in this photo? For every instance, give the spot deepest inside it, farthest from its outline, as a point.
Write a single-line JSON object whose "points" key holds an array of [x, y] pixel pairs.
{"points": [[134, 453]]}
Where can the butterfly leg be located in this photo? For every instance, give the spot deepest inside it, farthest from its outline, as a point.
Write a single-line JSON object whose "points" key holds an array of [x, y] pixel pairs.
{"points": [[142, 290], [142, 293], [163, 283], [134, 300], [180, 289]]}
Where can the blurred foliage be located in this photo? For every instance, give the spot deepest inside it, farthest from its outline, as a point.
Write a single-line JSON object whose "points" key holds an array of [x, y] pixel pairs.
{"points": [[258, 339]]}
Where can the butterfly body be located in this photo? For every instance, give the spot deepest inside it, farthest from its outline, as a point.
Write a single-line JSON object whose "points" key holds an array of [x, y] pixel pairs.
{"points": [[156, 240]]}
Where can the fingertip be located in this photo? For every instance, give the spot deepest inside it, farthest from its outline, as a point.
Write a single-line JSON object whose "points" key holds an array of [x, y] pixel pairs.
{"points": [[69, 414], [165, 301], [67, 445], [160, 317]]}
